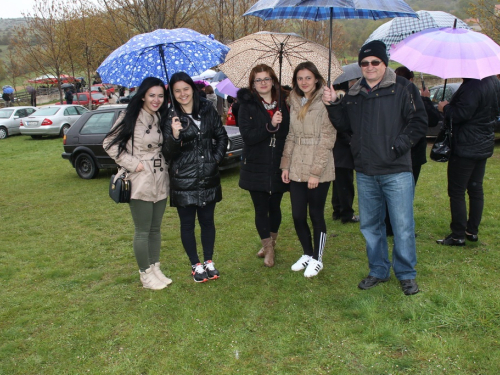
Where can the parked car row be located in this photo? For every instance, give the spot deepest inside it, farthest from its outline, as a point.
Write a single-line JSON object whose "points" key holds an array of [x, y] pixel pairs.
{"points": [[83, 142]]}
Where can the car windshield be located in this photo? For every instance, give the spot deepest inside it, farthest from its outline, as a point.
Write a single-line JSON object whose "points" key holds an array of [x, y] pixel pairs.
{"points": [[97, 96], [47, 111], [5, 113]]}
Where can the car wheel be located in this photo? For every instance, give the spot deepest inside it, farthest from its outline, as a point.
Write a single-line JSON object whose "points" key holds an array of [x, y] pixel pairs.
{"points": [[3, 132], [85, 166], [64, 129], [36, 136]]}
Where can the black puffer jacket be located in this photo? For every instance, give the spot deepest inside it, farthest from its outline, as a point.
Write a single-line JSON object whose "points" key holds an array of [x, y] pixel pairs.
{"points": [[194, 158], [385, 124], [474, 109], [262, 150]]}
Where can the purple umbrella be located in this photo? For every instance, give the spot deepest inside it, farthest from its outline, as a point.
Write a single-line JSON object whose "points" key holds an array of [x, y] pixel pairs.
{"points": [[226, 87], [449, 53]]}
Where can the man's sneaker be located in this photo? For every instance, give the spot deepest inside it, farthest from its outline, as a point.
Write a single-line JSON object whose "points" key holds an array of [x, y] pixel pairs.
{"points": [[313, 268], [409, 287], [210, 269], [371, 281], [301, 263], [198, 272]]}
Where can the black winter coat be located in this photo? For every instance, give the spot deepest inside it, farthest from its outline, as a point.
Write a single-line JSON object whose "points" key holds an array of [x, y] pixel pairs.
{"points": [[385, 124], [194, 158], [262, 150], [474, 108]]}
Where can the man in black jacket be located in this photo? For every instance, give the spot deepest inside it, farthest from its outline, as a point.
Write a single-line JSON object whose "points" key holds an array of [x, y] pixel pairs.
{"points": [[472, 113], [386, 117]]}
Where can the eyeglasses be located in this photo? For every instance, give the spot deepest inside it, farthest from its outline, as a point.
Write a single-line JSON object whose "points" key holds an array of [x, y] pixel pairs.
{"points": [[258, 80], [364, 64]]}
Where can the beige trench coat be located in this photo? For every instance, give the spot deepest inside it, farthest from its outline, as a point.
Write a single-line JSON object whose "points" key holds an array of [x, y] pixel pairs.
{"points": [[309, 144], [152, 183]]}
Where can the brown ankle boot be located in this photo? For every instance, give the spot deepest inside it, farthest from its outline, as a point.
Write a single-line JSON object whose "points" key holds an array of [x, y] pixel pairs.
{"points": [[267, 244], [274, 236]]}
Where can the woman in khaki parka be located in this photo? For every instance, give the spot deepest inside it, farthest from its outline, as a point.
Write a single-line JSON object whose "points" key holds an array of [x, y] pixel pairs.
{"points": [[135, 143], [307, 164]]}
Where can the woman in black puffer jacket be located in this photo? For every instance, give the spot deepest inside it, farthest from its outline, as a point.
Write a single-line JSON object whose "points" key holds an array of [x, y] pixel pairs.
{"points": [[195, 143], [263, 126]]}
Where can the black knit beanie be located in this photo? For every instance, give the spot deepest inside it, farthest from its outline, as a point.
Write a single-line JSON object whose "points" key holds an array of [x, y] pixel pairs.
{"points": [[375, 48]]}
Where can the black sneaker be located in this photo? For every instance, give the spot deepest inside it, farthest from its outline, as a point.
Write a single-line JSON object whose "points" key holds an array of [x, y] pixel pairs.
{"points": [[471, 237], [211, 270], [409, 287], [370, 281], [199, 274], [450, 241]]}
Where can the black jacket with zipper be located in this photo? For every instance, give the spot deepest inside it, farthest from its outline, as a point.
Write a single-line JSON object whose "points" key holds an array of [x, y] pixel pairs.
{"points": [[385, 124], [262, 150], [194, 158]]}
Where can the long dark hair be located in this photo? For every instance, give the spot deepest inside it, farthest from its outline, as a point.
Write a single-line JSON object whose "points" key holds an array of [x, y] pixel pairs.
{"points": [[182, 76], [125, 130], [317, 75]]}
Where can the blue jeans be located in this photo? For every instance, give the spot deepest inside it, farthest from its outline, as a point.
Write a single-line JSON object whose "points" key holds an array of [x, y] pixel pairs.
{"points": [[397, 190]]}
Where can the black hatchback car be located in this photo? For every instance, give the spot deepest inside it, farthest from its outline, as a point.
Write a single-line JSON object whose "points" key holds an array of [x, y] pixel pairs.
{"points": [[83, 142]]}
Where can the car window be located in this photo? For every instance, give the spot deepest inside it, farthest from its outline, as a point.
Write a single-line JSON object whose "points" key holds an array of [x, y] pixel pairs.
{"points": [[30, 111], [49, 111], [98, 123], [21, 113], [70, 111], [82, 97], [97, 96], [81, 110], [5, 113]]}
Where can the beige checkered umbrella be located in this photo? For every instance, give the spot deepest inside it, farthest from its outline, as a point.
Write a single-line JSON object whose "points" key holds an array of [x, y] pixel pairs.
{"points": [[265, 48]]}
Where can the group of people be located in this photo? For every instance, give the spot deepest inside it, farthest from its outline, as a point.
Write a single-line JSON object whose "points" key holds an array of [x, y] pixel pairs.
{"points": [[288, 146]]}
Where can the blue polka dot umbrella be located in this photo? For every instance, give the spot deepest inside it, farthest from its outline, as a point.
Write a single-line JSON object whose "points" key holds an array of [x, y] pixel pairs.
{"points": [[160, 54]]}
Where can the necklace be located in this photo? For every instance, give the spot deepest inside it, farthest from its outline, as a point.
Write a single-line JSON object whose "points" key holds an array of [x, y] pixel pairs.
{"points": [[268, 106]]}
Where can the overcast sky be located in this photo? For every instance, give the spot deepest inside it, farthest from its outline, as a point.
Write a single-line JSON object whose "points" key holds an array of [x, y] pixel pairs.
{"points": [[14, 8]]}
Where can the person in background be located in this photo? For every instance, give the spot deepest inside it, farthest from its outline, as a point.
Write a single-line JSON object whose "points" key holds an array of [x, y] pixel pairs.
{"points": [[307, 164], [68, 96], [33, 97], [195, 144], [7, 99], [135, 143], [471, 112], [343, 186], [386, 116], [263, 126], [209, 90], [419, 150], [201, 89]]}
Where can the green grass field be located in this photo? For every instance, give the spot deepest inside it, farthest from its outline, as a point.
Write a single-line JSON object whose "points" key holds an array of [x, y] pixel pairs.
{"points": [[72, 302]]}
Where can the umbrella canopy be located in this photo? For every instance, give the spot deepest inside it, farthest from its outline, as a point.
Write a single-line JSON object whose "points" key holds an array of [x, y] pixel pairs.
{"points": [[30, 89], [202, 82], [351, 71], [8, 89], [227, 87], [266, 48], [207, 74], [320, 10], [160, 54], [399, 28], [449, 53], [67, 85], [219, 77]]}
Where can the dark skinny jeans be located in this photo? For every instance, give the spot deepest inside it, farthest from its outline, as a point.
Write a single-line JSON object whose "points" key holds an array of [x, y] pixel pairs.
{"points": [[302, 197], [187, 216], [267, 212]]}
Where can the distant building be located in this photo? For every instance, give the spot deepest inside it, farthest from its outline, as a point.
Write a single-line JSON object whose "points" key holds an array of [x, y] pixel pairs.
{"points": [[497, 10], [473, 23]]}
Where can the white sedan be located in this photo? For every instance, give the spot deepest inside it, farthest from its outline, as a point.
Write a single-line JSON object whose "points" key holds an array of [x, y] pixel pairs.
{"points": [[10, 119], [51, 120]]}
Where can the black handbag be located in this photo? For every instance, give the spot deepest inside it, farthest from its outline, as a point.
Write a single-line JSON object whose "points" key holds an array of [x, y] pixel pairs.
{"points": [[120, 188], [441, 149]]}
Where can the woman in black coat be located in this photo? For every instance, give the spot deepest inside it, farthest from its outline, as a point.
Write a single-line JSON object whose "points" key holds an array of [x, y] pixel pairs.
{"points": [[263, 126], [195, 143]]}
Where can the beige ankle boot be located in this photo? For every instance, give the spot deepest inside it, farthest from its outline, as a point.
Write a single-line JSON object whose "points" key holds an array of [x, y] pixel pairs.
{"points": [[160, 275], [267, 244], [150, 281], [274, 236]]}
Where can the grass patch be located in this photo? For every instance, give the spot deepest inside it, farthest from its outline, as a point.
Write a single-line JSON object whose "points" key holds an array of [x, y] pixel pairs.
{"points": [[72, 302]]}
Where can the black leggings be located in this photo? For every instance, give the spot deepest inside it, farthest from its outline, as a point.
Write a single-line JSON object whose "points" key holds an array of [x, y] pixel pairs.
{"points": [[301, 197], [267, 212], [187, 217]]}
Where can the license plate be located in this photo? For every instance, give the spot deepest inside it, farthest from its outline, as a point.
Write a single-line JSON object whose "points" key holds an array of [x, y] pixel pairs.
{"points": [[32, 123]]}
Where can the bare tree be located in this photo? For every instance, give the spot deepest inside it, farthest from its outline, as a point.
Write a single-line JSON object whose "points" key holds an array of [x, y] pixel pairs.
{"points": [[488, 17]]}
